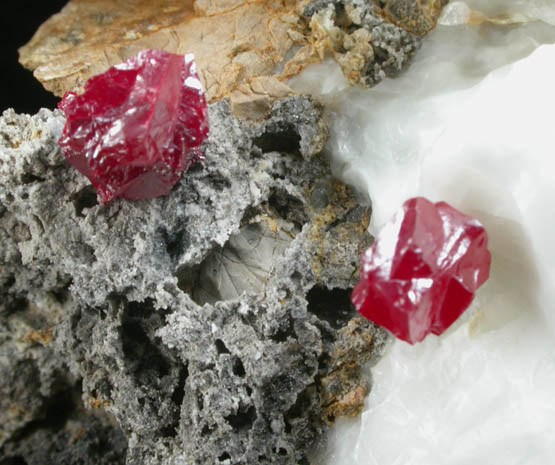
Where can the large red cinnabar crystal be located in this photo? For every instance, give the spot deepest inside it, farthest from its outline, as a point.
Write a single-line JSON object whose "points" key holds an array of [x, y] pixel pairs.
{"points": [[422, 271], [137, 126]]}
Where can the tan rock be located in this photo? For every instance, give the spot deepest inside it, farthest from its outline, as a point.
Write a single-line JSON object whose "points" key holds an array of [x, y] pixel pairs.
{"points": [[233, 40], [253, 100], [245, 49]]}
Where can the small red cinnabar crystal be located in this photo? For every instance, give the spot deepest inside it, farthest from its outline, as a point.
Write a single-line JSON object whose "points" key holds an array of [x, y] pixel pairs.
{"points": [[138, 126], [423, 270]]}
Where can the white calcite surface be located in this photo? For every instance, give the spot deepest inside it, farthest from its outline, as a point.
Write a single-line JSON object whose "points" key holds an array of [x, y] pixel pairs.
{"points": [[471, 122], [511, 11]]}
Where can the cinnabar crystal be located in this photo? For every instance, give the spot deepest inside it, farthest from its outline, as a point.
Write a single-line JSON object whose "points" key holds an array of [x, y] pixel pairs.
{"points": [[138, 126], [423, 270]]}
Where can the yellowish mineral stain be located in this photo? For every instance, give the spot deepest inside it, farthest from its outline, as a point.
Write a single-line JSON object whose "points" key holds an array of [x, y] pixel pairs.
{"points": [[40, 337], [344, 388]]}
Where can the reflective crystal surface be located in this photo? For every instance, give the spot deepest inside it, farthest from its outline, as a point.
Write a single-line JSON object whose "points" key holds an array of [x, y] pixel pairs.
{"points": [[137, 126], [423, 270], [467, 123]]}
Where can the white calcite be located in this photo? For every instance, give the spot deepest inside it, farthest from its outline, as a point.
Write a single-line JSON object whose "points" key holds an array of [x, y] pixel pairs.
{"points": [[532, 9], [471, 122], [379, 135], [497, 11]]}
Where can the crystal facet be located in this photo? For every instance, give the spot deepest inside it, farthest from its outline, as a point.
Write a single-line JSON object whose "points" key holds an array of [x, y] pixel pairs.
{"points": [[137, 126], [422, 271]]}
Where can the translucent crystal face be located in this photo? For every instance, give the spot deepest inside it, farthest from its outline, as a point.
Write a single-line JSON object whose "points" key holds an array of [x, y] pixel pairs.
{"points": [[423, 270], [138, 126]]}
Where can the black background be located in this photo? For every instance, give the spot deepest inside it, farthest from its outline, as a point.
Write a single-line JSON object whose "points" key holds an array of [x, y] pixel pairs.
{"points": [[18, 22]]}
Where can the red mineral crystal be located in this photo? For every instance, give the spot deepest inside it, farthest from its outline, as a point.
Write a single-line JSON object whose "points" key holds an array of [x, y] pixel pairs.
{"points": [[137, 126], [423, 270]]}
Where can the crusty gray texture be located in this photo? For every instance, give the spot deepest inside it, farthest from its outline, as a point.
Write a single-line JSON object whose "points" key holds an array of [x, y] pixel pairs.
{"points": [[103, 298], [392, 48]]}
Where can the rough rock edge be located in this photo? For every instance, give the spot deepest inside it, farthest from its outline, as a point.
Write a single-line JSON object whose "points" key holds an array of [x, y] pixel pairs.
{"points": [[240, 381], [366, 45], [370, 39]]}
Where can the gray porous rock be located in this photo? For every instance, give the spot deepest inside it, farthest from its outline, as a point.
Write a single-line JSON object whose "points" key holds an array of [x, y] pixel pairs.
{"points": [[361, 33], [209, 326], [68, 434]]}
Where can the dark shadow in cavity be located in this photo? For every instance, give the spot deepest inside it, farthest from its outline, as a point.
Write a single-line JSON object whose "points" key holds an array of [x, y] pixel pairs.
{"points": [[85, 198], [331, 305], [144, 359], [243, 419], [284, 139]]}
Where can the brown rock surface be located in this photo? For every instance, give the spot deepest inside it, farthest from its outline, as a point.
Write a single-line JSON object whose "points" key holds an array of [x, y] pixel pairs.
{"points": [[343, 390], [245, 49], [233, 40]]}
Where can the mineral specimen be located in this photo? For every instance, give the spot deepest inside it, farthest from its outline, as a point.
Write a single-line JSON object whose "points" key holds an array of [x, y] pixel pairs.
{"points": [[246, 49], [423, 270], [103, 309], [233, 41], [418, 17], [367, 46], [137, 126], [491, 377]]}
